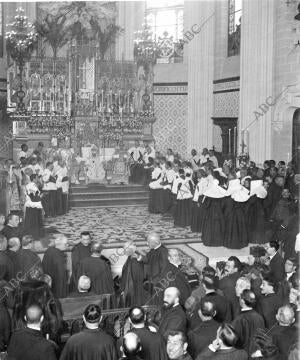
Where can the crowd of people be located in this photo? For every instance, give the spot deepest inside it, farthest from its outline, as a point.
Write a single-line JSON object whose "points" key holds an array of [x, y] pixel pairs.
{"points": [[238, 310], [38, 185], [227, 206]]}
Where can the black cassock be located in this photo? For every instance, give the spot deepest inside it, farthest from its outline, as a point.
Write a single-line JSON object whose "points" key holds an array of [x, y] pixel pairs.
{"points": [[99, 273], [213, 222], [172, 277], [13, 255], [268, 306], [28, 261], [79, 252], [153, 345], [274, 195], [246, 325], [236, 229], [256, 220], [54, 264], [90, 345], [155, 261], [173, 319], [29, 344], [6, 267], [132, 282], [5, 320]]}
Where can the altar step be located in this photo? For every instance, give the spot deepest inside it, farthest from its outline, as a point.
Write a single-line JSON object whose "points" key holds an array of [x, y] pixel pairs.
{"points": [[97, 195]]}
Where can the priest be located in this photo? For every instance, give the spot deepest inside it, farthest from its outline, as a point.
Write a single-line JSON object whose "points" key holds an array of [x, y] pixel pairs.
{"points": [[91, 343], [155, 260], [80, 251], [54, 265], [132, 278], [172, 276], [97, 270]]}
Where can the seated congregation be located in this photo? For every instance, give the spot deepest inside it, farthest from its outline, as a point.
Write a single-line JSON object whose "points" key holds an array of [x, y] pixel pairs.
{"points": [[237, 311]]}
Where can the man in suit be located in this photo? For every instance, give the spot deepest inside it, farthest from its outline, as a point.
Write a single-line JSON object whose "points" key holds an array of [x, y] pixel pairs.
{"points": [[270, 301], [276, 261], [227, 283], [200, 337], [28, 343], [224, 346], [290, 266], [248, 321], [173, 316], [223, 311], [153, 345], [177, 346]]}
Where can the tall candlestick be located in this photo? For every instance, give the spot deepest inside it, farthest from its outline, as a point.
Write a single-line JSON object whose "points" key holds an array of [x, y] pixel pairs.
{"points": [[248, 140], [229, 138], [234, 140], [128, 99], [102, 98]]}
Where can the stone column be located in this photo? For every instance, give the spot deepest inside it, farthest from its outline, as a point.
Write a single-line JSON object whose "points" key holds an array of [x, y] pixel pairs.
{"points": [[199, 25], [256, 77], [130, 17]]}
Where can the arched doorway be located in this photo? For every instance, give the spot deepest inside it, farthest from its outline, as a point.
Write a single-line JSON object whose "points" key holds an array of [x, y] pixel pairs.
{"points": [[296, 140]]}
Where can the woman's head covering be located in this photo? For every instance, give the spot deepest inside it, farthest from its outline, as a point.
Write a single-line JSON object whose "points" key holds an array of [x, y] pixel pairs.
{"points": [[257, 188], [215, 191]]}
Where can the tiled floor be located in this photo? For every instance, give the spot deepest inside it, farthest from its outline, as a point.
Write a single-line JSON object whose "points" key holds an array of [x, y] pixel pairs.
{"points": [[117, 224]]}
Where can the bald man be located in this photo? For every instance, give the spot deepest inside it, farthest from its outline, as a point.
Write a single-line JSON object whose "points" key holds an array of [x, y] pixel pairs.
{"points": [[284, 334], [28, 343], [153, 345], [97, 270], [83, 287], [173, 315], [131, 347], [155, 261], [54, 264]]}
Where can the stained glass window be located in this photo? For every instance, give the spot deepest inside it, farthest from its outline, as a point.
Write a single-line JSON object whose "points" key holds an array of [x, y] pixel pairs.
{"points": [[234, 26], [165, 16]]}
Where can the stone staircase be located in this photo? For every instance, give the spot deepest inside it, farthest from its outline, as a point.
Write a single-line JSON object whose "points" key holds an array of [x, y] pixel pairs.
{"points": [[97, 195]]}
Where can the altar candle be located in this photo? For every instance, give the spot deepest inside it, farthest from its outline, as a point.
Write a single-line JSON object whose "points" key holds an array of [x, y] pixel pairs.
{"points": [[229, 146], [234, 139], [128, 99], [119, 97], [102, 97], [288, 157], [248, 139]]}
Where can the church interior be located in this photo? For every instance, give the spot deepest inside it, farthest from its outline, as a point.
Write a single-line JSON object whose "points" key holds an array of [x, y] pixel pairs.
{"points": [[149, 179]]}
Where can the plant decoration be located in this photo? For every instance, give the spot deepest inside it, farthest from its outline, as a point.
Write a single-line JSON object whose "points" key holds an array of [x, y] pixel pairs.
{"points": [[52, 31], [243, 158]]}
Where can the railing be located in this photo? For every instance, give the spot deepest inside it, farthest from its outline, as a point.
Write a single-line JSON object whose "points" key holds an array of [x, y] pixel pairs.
{"points": [[114, 320]]}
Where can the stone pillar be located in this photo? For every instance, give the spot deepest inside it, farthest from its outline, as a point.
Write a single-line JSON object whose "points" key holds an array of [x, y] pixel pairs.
{"points": [[199, 25], [256, 77], [130, 17]]}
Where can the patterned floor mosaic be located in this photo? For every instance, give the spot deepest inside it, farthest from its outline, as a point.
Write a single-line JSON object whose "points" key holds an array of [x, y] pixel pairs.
{"points": [[117, 224]]}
